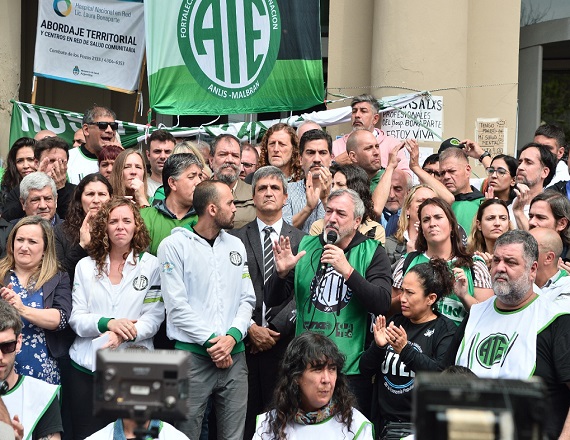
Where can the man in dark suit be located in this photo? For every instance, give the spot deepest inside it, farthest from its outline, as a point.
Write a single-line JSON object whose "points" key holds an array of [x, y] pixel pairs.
{"points": [[272, 328]]}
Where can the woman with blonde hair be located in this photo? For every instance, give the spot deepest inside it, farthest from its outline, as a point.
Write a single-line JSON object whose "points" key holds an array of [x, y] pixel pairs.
{"points": [[41, 294], [129, 177], [116, 300]]}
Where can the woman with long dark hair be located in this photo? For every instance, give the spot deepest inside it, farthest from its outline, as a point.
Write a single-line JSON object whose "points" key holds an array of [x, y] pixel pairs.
{"points": [[312, 399], [355, 178], [19, 163], [417, 339], [439, 237], [72, 236], [501, 181]]}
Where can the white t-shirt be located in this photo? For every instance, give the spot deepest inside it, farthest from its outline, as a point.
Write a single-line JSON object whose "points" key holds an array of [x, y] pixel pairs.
{"points": [[79, 165], [360, 429]]}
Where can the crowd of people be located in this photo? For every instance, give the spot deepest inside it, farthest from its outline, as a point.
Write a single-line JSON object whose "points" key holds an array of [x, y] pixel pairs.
{"points": [[308, 279]]}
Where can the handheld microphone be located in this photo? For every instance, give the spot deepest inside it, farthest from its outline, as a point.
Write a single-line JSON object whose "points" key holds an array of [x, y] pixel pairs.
{"points": [[332, 238]]}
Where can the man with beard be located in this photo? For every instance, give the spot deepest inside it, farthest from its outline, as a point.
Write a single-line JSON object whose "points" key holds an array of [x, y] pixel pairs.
{"points": [[307, 197], [32, 403], [536, 169], [338, 279], [209, 300], [225, 163], [517, 333], [180, 174]]}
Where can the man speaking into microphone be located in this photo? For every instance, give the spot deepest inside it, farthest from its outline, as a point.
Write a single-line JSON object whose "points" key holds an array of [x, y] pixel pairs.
{"points": [[339, 279]]}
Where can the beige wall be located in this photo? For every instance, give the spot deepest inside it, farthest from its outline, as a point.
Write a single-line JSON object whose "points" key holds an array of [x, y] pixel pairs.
{"points": [[425, 46], [10, 32]]}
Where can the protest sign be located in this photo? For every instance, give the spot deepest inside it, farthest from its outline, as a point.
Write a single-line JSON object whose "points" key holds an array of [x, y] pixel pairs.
{"points": [[420, 118], [491, 135]]}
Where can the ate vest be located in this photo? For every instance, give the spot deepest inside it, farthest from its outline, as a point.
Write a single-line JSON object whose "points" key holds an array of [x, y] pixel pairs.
{"points": [[450, 305], [326, 305]]}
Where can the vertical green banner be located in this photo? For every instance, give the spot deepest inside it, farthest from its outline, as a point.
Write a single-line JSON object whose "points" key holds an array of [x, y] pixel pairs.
{"points": [[233, 56]]}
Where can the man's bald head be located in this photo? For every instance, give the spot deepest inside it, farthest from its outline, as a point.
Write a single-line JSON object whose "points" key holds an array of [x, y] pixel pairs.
{"points": [[358, 138], [548, 241], [42, 134]]}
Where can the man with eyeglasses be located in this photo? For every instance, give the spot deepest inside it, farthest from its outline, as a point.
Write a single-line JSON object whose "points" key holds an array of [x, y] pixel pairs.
{"points": [[249, 161], [99, 129], [32, 403]]}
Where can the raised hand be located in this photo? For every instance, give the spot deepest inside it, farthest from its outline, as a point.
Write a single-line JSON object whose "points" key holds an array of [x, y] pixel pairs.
{"points": [[380, 335], [283, 256]]}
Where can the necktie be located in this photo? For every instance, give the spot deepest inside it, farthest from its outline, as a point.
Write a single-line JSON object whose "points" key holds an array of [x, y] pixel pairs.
{"points": [[268, 262], [268, 267]]}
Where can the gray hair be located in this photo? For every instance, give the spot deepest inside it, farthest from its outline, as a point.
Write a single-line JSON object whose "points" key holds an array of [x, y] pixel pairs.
{"points": [[517, 236], [175, 166], [97, 111], [269, 171], [453, 152], [36, 181], [369, 99], [356, 200], [10, 318], [228, 137]]}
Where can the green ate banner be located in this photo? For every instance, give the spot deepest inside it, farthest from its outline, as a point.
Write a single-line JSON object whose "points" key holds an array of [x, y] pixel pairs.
{"points": [[214, 57]]}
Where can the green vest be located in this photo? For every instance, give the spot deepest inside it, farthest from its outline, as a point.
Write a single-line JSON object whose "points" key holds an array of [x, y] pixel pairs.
{"points": [[376, 179], [450, 305], [325, 305], [160, 226], [465, 211]]}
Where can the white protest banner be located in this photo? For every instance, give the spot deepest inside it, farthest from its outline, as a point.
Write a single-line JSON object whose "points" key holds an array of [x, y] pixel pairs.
{"points": [[97, 43], [421, 119]]}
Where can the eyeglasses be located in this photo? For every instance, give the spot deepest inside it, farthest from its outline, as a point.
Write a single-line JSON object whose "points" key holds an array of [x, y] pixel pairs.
{"points": [[247, 165], [104, 125], [8, 347], [432, 172], [500, 171]]}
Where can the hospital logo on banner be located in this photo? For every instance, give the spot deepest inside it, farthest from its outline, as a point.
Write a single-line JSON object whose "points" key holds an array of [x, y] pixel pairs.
{"points": [[229, 46], [62, 7]]}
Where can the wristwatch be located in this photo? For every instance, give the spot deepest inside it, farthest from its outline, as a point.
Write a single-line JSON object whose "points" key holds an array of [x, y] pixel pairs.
{"points": [[484, 155]]}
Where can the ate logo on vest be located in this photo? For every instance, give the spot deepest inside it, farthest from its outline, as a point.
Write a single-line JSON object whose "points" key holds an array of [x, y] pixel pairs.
{"points": [[229, 46], [493, 349], [329, 293]]}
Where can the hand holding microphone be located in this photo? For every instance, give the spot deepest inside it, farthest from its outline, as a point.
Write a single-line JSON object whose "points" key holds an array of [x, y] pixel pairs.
{"points": [[334, 255]]}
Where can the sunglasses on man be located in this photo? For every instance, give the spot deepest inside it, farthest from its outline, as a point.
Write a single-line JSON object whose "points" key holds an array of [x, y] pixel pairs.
{"points": [[104, 125], [8, 347]]}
